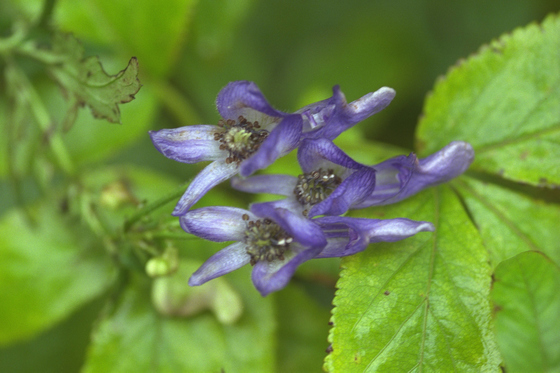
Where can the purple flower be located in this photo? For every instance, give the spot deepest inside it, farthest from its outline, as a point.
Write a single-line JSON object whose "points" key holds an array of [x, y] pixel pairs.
{"points": [[331, 182], [403, 176], [252, 134], [277, 241]]}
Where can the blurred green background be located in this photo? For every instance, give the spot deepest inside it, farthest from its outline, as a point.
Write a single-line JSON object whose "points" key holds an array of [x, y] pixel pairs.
{"points": [[294, 50]]}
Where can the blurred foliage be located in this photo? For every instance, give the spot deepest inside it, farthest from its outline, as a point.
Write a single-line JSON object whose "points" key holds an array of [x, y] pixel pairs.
{"points": [[86, 182]]}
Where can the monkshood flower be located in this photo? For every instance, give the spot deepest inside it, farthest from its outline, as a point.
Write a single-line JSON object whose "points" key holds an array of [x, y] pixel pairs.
{"points": [[277, 242], [403, 176], [331, 182], [252, 134]]}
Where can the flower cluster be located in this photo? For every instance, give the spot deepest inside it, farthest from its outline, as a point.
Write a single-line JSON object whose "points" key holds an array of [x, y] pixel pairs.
{"points": [[276, 237]]}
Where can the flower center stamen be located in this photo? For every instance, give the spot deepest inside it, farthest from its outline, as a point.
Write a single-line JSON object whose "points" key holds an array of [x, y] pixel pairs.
{"points": [[314, 187], [265, 240], [240, 138]]}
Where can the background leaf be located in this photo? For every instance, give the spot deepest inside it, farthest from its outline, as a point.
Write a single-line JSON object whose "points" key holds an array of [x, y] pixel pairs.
{"points": [[420, 304], [510, 222], [505, 101], [86, 83], [152, 342], [43, 276], [527, 305]]}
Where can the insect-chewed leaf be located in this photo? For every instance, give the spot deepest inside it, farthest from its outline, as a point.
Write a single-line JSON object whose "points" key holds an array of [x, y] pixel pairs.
{"points": [[86, 83]]}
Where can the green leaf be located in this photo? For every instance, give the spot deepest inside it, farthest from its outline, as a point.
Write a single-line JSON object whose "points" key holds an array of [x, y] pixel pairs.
{"points": [[303, 325], [420, 304], [86, 83], [47, 270], [527, 305], [509, 222], [505, 101], [137, 338]]}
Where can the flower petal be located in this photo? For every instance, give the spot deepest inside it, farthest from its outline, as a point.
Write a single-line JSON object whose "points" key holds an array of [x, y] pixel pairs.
{"points": [[399, 178], [313, 153], [352, 191], [273, 276], [359, 233], [282, 139], [244, 98], [302, 229], [224, 261], [210, 176], [317, 114], [216, 223], [346, 115], [190, 144], [283, 185]]}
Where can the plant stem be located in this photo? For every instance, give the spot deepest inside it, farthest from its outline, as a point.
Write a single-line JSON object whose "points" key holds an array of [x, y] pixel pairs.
{"points": [[46, 14], [148, 208]]}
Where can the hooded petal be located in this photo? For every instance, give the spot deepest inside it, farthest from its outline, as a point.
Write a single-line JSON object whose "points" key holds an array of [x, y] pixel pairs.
{"points": [[317, 114], [302, 229], [352, 191], [273, 276], [210, 176], [244, 98], [282, 139], [272, 184], [346, 115], [401, 177], [316, 153], [359, 233], [216, 223], [224, 261], [190, 144]]}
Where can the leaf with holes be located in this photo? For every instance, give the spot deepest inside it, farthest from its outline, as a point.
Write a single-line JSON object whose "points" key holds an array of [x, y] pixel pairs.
{"points": [[505, 101], [86, 83]]}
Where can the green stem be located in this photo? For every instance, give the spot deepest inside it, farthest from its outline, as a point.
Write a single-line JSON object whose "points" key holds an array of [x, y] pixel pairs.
{"points": [[44, 120], [148, 208], [46, 14]]}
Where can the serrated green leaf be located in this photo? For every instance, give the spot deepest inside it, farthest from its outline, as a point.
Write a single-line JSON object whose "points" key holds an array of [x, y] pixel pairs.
{"points": [[509, 222], [136, 338], [505, 101], [527, 304], [418, 305], [86, 83], [47, 270]]}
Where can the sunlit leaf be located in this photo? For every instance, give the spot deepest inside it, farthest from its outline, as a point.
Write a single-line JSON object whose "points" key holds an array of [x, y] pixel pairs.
{"points": [[527, 305], [505, 101], [417, 305]]}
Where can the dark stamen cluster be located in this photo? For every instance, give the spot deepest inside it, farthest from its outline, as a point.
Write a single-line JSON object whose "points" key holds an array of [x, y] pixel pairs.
{"points": [[240, 138], [265, 240], [315, 186]]}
